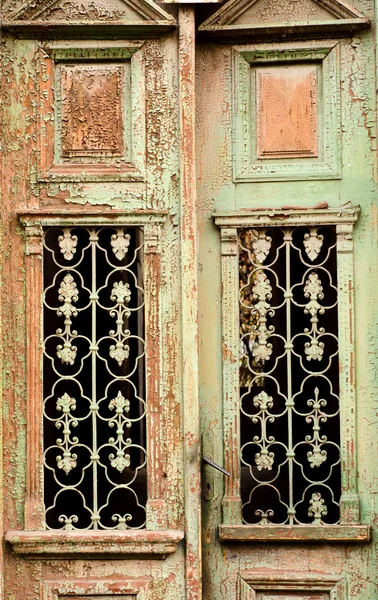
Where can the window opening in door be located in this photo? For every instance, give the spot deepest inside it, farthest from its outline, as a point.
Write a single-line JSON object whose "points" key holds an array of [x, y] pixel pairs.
{"points": [[289, 376], [94, 378]]}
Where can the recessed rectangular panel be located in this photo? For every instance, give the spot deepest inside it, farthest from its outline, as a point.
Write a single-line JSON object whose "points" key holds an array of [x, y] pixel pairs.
{"points": [[291, 596], [102, 597], [286, 107], [97, 597], [92, 111]]}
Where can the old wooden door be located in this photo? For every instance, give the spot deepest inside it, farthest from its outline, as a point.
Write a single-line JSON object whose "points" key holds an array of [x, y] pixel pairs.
{"points": [[94, 502], [286, 196], [189, 277]]}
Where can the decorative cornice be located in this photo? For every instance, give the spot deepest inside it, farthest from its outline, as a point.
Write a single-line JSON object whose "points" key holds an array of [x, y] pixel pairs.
{"points": [[295, 533], [33, 18], [138, 218], [222, 23], [287, 217], [100, 543]]}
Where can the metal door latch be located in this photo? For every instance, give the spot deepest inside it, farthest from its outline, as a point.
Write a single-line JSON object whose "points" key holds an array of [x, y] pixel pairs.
{"points": [[209, 461]]}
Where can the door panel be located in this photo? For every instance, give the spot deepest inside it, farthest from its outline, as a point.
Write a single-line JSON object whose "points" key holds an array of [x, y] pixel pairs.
{"points": [[107, 135], [236, 184], [85, 154]]}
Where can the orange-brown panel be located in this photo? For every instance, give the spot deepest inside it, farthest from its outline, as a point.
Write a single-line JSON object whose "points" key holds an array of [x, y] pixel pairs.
{"points": [[286, 112], [92, 110], [291, 596]]}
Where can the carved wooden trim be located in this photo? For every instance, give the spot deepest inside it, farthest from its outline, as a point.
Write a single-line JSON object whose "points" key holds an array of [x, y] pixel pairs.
{"points": [[137, 586], [349, 501], [151, 222], [34, 508], [230, 352], [344, 220], [97, 544], [156, 505], [64, 218], [247, 165], [271, 581], [244, 591], [295, 533], [55, 164], [284, 217]]}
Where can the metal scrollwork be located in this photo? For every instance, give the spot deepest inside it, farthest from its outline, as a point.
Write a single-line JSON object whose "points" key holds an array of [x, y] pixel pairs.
{"points": [[94, 379], [289, 386], [313, 243]]}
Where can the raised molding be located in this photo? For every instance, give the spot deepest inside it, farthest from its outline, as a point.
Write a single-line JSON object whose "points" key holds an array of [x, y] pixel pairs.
{"points": [[338, 534], [79, 217], [104, 544], [287, 216], [57, 59], [253, 585], [136, 588], [248, 61]]}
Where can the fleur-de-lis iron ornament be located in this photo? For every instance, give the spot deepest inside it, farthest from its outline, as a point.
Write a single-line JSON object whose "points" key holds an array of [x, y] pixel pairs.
{"points": [[120, 294], [317, 508], [121, 459], [287, 317], [262, 292], [120, 243], [67, 244], [68, 460], [261, 245], [263, 459], [313, 290], [265, 516], [93, 288], [317, 456], [313, 243], [122, 521], [68, 521], [68, 294]]}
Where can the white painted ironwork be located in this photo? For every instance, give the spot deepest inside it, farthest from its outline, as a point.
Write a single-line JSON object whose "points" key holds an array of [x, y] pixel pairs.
{"points": [[94, 378], [289, 375]]}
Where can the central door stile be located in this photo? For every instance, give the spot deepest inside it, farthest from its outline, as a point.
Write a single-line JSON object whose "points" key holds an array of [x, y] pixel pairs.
{"points": [[189, 298]]}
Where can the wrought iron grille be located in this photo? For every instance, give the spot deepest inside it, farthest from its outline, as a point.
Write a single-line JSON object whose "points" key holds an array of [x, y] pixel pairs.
{"points": [[94, 378], [289, 376]]}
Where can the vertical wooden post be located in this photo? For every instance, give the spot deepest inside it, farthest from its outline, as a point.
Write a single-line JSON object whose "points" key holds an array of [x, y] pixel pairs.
{"points": [[230, 355], [34, 509], [349, 501], [156, 510], [189, 299]]}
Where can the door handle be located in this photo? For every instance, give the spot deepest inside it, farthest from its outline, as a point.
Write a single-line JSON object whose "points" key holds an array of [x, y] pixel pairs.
{"points": [[209, 461]]}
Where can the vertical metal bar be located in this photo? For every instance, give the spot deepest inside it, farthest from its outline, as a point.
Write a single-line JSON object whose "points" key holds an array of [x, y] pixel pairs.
{"points": [[189, 300], [287, 238], [93, 239]]}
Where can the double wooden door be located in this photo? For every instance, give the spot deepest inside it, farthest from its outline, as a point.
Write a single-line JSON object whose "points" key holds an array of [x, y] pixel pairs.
{"points": [[189, 280]]}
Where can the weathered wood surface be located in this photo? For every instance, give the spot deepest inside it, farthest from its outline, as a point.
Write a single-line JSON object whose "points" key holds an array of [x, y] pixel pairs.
{"points": [[94, 543], [295, 533], [185, 171]]}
